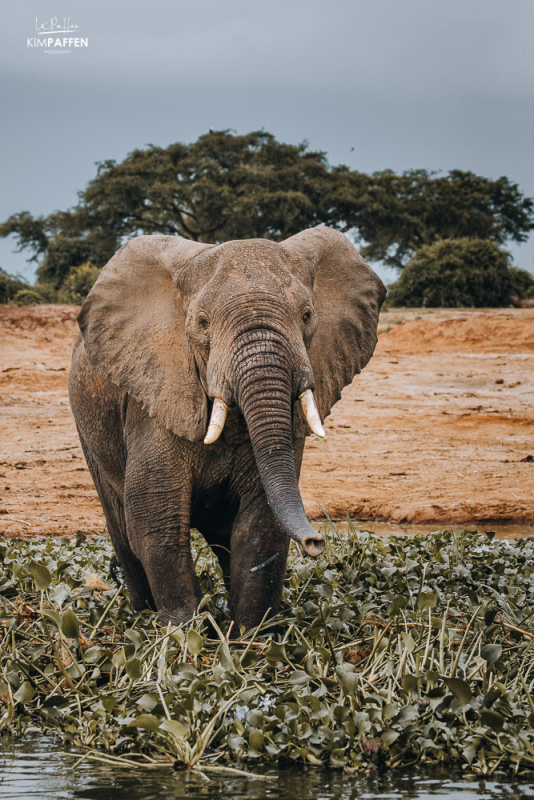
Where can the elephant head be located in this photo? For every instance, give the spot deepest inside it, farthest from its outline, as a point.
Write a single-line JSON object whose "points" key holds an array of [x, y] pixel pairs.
{"points": [[191, 330]]}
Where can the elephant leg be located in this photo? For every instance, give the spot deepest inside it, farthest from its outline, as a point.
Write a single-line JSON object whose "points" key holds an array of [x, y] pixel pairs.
{"points": [[256, 538], [157, 522], [134, 575]]}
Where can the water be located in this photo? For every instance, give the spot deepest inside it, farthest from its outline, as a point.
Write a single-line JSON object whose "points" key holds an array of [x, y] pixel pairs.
{"points": [[32, 767], [501, 530]]}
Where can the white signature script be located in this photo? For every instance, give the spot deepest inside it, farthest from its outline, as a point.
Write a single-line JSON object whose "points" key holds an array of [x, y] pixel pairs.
{"points": [[52, 25]]}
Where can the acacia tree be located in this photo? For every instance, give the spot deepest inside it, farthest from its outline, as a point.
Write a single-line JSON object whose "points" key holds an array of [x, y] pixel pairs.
{"points": [[225, 186], [398, 214]]}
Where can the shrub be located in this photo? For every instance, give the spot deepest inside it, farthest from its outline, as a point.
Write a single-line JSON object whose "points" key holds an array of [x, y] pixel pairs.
{"points": [[522, 283], [78, 283], [455, 273], [28, 297], [9, 286], [47, 290]]}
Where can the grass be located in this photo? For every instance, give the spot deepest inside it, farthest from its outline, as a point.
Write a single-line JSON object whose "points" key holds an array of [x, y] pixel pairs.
{"points": [[387, 652]]}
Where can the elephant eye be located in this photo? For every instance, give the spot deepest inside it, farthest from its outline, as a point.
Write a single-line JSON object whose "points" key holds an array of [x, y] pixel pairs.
{"points": [[203, 321], [306, 316]]}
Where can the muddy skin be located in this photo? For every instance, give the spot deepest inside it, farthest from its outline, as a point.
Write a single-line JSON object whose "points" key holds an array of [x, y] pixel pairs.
{"points": [[170, 327]]}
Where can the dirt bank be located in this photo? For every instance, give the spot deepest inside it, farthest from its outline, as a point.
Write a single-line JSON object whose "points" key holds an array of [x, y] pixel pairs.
{"points": [[438, 428]]}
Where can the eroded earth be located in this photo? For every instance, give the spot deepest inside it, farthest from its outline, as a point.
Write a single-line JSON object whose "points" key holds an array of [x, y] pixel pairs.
{"points": [[438, 427]]}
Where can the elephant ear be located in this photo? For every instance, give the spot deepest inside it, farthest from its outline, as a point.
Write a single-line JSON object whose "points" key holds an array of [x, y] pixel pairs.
{"points": [[133, 326], [347, 297]]}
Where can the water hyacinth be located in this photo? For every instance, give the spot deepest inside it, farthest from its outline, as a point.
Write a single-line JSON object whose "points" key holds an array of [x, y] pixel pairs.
{"points": [[386, 652]]}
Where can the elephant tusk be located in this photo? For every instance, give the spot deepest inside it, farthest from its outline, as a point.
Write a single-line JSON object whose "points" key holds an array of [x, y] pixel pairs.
{"points": [[311, 413], [217, 420]]}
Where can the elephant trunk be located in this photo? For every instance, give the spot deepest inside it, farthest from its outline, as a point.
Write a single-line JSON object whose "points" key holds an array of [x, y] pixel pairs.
{"points": [[264, 395]]}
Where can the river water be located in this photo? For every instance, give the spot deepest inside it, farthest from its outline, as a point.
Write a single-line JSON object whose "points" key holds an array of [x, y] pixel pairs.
{"points": [[32, 767]]}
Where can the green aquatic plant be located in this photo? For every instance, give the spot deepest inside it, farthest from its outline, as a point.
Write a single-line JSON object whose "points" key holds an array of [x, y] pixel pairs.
{"points": [[388, 651]]}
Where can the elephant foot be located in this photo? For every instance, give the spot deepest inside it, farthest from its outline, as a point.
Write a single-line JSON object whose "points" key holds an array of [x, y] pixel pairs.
{"points": [[138, 601], [177, 616]]}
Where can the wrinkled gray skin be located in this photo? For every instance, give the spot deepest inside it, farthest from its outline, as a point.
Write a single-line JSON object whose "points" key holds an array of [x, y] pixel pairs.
{"points": [[169, 326]]}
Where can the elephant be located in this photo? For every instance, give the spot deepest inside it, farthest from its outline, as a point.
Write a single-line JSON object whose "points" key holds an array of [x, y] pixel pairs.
{"points": [[197, 374]]}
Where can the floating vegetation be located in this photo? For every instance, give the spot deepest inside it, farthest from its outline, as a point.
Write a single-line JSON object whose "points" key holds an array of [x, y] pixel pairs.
{"points": [[387, 652]]}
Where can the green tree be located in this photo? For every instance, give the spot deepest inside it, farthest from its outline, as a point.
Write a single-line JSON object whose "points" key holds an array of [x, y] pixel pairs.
{"points": [[455, 273], [225, 186], [398, 214], [78, 283], [219, 188]]}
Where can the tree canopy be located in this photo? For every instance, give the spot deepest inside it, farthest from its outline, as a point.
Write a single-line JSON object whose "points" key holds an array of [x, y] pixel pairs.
{"points": [[401, 213], [225, 186]]}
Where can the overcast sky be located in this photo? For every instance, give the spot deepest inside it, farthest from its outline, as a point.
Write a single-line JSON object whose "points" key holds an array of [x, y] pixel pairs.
{"points": [[434, 84]]}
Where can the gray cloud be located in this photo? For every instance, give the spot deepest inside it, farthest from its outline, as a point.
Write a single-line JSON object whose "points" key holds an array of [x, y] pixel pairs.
{"points": [[410, 83]]}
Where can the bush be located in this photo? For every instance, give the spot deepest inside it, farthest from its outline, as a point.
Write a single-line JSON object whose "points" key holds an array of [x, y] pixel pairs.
{"points": [[78, 283], [522, 283], [9, 286], [28, 297], [47, 290], [454, 273]]}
